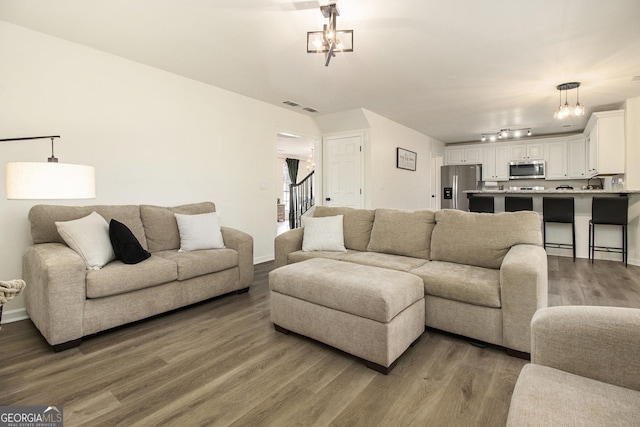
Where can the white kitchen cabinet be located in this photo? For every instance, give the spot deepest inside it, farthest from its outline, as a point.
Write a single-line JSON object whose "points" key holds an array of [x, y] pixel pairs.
{"points": [[502, 163], [555, 155], [495, 163], [577, 157], [604, 135], [463, 155], [533, 151], [488, 163]]}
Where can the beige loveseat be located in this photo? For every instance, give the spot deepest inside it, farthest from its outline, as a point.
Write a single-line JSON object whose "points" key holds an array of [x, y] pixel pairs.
{"points": [[67, 301], [484, 275], [584, 370]]}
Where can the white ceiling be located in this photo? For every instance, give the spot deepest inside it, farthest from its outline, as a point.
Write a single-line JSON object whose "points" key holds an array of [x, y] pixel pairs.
{"points": [[449, 69], [292, 145]]}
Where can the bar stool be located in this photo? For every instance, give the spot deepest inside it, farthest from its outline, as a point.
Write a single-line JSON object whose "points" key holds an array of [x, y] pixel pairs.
{"points": [[481, 204], [515, 204], [562, 210], [608, 211]]}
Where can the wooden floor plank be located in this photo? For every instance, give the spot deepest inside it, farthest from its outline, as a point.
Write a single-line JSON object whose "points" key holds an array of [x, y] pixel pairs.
{"points": [[222, 363]]}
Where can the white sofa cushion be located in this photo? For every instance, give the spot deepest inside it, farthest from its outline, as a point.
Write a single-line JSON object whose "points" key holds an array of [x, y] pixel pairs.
{"points": [[89, 237], [357, 224], [323, 234], [160, 226], [200, 231]]}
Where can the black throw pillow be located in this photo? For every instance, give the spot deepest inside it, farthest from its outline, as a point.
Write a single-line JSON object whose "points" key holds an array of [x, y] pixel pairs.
{"points": [[125, 245]]}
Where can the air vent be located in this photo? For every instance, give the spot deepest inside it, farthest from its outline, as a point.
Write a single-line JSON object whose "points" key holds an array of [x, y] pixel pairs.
{"points": [[295, 104], [567, 125], [635, 79]]}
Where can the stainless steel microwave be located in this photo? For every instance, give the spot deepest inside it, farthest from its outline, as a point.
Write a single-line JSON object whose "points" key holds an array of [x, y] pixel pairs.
{"points": [[531, 169]]}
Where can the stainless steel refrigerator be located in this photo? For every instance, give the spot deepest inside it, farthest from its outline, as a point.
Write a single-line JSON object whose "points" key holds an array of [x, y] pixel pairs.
{"points": [[455, 179]]}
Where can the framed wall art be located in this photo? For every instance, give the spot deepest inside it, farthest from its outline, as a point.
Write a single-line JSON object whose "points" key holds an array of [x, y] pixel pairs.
{"points": [[405, 159]]}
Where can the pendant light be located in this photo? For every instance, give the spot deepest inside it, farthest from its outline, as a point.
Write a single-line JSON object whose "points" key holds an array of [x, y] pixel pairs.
{"points": [[567, 110]]}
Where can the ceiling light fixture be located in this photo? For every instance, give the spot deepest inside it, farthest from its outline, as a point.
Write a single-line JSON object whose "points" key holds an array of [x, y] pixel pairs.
{"points": [[505, 134], [567, 110], [330, 40], [50, 180]]}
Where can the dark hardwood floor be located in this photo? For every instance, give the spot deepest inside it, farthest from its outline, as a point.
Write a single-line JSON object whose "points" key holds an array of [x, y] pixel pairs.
{"points": [[221, 363]]}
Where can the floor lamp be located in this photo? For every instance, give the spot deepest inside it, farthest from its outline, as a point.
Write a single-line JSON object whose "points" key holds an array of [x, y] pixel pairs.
{"points": [[44, 180], [49, 180]]}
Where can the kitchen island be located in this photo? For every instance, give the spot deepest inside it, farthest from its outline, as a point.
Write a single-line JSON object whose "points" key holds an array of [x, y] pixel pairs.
{"points": [[606, 235]]}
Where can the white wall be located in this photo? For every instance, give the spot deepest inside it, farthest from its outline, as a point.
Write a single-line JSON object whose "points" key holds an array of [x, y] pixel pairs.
{"points": [[388, 186], [385, 185], [152, 136]]}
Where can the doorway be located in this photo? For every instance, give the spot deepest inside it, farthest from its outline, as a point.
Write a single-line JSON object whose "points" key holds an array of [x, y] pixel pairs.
{"points": [[293, 147]]}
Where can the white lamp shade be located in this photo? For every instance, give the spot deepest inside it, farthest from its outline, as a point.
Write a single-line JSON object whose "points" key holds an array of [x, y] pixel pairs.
{"points": [[40, 180]]}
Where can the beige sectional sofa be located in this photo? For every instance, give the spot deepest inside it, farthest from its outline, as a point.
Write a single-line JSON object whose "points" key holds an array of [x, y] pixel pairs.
{"points": [[484, 275], [67, 301], [584, 370]]}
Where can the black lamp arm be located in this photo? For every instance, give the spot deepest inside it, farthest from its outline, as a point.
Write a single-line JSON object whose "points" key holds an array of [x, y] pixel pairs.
{"points": [[52, 159]]}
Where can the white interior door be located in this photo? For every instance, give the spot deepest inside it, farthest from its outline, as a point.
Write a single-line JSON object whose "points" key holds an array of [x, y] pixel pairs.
{"points": [[343, 171]]}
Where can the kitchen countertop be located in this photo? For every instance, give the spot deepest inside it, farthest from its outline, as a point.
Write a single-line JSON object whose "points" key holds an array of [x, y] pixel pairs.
{"points": [[554, 191]]}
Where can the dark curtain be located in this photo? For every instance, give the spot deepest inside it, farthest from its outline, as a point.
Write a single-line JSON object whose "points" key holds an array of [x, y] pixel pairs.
{"points": [[292, 164]]}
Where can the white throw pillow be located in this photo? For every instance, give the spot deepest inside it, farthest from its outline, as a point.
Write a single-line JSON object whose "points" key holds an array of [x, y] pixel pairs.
{"points": [[323, 234], [200, 231], [89, 237]]}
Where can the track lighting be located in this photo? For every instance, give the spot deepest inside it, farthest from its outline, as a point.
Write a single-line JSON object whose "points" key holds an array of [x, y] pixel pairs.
{"points": [[506, 134]]}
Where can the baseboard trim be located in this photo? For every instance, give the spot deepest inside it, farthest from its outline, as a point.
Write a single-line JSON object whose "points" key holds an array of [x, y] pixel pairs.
{"points": [[617, 257], [261, 259], [10, 316]]}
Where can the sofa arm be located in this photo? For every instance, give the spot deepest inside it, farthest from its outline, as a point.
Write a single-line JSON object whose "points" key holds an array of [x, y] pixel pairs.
{"points": [[523, 290], [285, 243], [56, 291], [602, 343], [243, 243]]}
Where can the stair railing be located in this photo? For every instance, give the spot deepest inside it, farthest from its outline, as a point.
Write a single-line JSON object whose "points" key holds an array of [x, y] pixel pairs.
{"points": [[300, 200]]}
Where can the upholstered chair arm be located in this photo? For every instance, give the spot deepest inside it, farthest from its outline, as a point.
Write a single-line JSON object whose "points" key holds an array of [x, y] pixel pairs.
{"points": [[56, 291], [602, 343], [285, 243], [523, 290], [243, 243]]}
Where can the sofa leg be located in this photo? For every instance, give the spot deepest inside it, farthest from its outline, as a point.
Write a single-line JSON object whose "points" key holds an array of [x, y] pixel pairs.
{"points": [[379, 368], [66, 345], [519, 354], [281, 329], [477, 343], [243, 290]]}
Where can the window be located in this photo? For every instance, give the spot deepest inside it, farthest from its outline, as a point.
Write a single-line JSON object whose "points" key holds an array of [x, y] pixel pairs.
{"points": [[286, 183]]}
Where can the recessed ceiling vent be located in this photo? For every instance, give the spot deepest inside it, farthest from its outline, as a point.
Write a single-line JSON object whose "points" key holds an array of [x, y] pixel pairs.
{"points": [[636, 79], [567, 125], [295, 104]]}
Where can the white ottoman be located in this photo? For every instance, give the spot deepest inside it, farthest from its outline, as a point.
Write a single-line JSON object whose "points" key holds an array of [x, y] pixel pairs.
{"points": [[370, 312]]}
